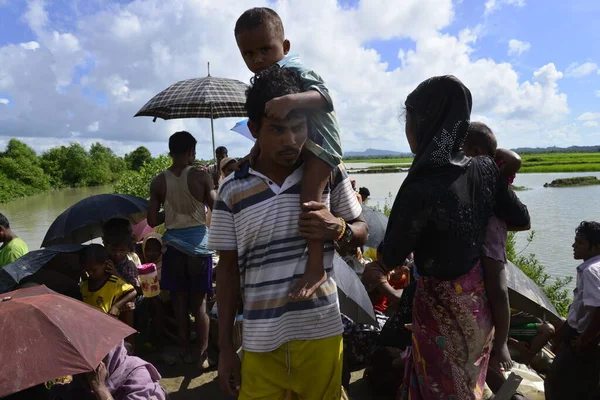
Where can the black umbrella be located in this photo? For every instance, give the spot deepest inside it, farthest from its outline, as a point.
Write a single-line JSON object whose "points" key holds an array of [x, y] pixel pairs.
{"points": [[354, 299], [208, 97], [525, 295], [83, 221], [13, 273], [377, 222]]}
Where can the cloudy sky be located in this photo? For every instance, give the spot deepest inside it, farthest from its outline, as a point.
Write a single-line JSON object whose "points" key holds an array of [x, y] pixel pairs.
{"points": [[78, 70]]}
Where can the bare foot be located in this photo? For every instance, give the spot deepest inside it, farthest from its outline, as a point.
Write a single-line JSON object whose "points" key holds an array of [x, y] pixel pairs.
{"points": [[500, 359], [308, 284]]}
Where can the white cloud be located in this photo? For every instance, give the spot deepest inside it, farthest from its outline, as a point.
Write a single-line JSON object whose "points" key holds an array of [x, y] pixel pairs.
{"points": [[589, 116], [132, 51], [590, 124], [30, 45], [492, 6], [4, 101], [94, 126], [597, 93], [36, 15], [577, 70], [517, 47]]}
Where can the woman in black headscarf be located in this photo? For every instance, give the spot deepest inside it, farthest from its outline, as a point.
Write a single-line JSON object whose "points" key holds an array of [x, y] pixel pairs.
{"points": [[440, 214]]}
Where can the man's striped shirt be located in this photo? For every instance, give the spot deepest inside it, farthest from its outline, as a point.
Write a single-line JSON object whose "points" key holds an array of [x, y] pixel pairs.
{"points": [[259, 219]]}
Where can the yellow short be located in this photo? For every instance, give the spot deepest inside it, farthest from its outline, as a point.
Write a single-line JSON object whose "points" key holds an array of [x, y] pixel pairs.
{"points": [[299, 370]]}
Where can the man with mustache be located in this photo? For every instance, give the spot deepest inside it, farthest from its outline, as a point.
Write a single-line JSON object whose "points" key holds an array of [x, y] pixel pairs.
{"points": [[291, 346]]}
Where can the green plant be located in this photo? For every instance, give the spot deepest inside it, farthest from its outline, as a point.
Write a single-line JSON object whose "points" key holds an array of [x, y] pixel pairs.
{"points": [[387, 205], [138, 183], [137, 158], [555, 289]]}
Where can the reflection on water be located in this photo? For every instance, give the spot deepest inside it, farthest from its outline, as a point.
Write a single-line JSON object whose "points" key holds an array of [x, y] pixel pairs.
{"points": [[555, 213], [30, 217]]}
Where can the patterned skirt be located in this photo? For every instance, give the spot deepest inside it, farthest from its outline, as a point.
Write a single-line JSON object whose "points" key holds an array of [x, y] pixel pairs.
{"points": [[452, 338]]}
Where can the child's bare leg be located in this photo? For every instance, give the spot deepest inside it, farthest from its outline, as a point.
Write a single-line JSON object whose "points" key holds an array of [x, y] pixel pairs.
{"points": [[316, 174], [497, 292]]}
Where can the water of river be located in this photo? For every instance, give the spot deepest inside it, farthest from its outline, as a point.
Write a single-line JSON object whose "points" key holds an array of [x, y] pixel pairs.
{"points": [[555, 212], [31, 217]]}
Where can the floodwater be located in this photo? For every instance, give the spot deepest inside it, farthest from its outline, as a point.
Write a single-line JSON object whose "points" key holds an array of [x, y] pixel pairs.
{"points": [[555, 212]]}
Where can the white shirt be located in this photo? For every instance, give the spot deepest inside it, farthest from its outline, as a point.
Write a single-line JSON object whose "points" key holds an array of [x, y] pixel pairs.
{"points": [[586, 296]]}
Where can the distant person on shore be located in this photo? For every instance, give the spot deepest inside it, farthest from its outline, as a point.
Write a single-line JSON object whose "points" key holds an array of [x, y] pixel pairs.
{"points": [[228, 166], [260, 36], [441, 214], [358, 196], [575, 372], [481, 141], [186, 264], [364, 194], [214, 170], [12, 246]]}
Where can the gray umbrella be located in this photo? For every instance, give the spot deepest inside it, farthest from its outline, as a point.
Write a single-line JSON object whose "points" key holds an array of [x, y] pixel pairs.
{"points": [[525, 295], [83, 220], [13, 273], [377, 222], [354, 299], [208, 97]]}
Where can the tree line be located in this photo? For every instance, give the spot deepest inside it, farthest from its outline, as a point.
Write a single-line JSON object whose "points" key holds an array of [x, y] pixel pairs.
{"points": [[24, 173]]}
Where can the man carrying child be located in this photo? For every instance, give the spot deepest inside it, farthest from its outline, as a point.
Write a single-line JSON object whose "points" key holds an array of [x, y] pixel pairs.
{"points": [[260, 37], [291, 347]]}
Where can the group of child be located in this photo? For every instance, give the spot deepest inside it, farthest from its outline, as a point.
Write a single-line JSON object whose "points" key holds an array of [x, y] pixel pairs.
{"points": [[111, 281]]}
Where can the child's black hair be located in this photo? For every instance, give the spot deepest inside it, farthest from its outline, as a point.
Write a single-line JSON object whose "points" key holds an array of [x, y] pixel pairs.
{"points": [[268, 84], [480, 135], [591, 231], [118, 231], [258, 17], [94, 253]]}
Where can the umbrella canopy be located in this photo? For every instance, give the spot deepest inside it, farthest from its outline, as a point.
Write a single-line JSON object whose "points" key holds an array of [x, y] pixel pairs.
{"points": [[141, 229], [525, 295], [241, 127], [83, 221], [354, 299], [44, 336], [208, 97], [12, 274], [377, 222]]}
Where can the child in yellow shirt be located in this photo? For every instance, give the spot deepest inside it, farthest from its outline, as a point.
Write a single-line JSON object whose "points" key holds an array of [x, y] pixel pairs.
{"points": [[103, 290]]}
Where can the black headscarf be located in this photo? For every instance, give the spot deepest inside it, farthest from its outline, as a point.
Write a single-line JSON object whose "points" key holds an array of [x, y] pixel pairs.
{"points": [[440, 108]]}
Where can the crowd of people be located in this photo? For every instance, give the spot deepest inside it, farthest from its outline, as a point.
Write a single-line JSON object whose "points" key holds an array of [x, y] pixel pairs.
{"points": [[273, 220]]}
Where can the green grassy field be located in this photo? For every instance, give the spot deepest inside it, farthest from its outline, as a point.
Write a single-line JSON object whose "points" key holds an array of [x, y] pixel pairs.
{"points": [[543, 162], [380, 160]]}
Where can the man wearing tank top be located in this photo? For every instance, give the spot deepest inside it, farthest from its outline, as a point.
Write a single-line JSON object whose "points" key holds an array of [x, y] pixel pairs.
{"points": [[183, 191]]}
